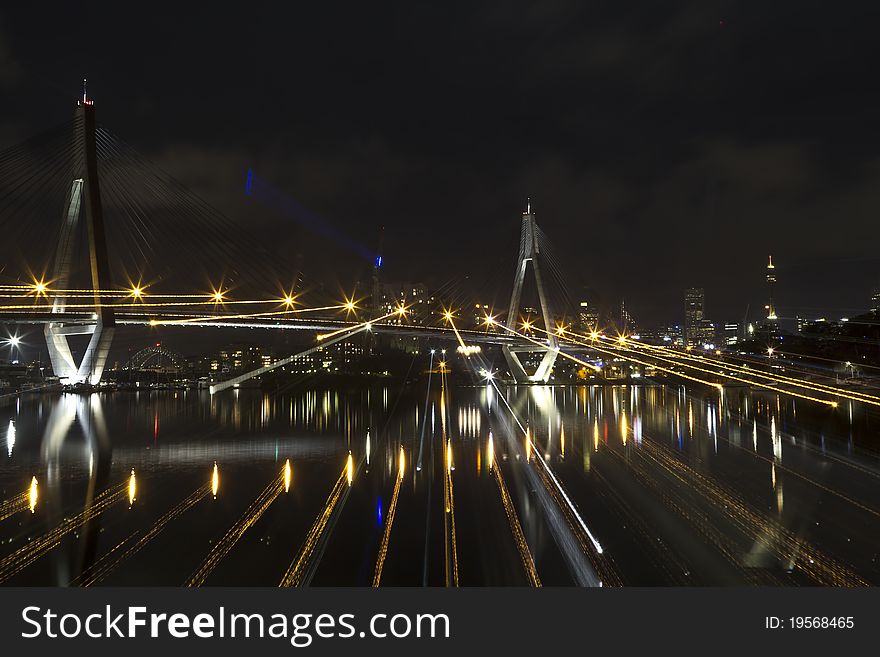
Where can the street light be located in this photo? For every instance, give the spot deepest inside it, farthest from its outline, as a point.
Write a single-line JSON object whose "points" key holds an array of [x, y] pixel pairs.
{"points": [[14, 343]]}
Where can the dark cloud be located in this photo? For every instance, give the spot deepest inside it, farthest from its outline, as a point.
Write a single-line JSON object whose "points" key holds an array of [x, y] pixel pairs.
{"points": [[664, 144]]}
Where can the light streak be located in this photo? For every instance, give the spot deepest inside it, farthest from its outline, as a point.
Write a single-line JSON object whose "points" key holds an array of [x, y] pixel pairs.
{"points": [[224, 546], [450, 541], [20, 502], [367, 324], [208, 318], [294, 576], [519, 537], [288, 475], [809, 385], [389, 519], [17, 561], [109, 562], [553, 484], [215, 481]]}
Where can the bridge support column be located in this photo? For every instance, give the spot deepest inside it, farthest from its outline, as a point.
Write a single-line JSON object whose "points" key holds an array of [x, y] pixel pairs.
{"points": [[85, 191], [529, 249]]}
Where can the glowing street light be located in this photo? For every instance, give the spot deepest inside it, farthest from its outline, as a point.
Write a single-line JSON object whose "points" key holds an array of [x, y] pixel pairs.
{"points": [[489, 320]]}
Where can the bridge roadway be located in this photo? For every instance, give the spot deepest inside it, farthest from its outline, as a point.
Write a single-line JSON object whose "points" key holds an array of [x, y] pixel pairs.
{"points": [[299, 324]]}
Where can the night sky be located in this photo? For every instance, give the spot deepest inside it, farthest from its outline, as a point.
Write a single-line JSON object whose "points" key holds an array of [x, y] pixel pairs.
{"points": [[663, 144]]}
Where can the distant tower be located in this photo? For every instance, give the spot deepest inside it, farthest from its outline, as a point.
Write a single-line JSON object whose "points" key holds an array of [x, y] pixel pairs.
{"points": [[529, 249], [376, 289], [771, 282]]}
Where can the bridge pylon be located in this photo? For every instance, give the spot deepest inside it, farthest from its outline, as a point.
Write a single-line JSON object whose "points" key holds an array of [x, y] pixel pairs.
{"points": [[529, 250], [84, 199]]}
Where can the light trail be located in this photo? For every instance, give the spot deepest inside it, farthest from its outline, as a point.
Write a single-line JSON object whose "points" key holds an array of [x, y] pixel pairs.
{"points": [[519, 537], [32, 291], [142, 304], [20, 502], [14, 563], [294, 576], [551, 478], [354, 327], [110, 561], [588, 542], [718, 386], [450, 541], [786, 545], [219, 318], [582, 541], [389, 519], [564, 354], [773, 376], [224, 546]]}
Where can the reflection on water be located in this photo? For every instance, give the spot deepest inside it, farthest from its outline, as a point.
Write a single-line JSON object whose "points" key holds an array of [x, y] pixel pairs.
{"points": [[669, 485]]}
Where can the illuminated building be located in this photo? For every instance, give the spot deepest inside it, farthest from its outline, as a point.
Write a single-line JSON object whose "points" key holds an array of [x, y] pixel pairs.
{"points": [[420, 304], [238, 357], [588, 318], [731, 333], [627, 323], [481, 311], [771, 283], [694, 303]]}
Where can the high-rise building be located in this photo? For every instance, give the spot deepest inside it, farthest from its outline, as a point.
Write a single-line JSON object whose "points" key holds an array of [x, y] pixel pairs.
{"points": [[694, 314], [732, 333], [420, 304], [627, 322], [588, 318], [771, 283], [875, 301]]}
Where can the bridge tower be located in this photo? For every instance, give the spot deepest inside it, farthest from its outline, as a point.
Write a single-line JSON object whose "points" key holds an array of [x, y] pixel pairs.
{"points": [[529, 250], [84, 198]]}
